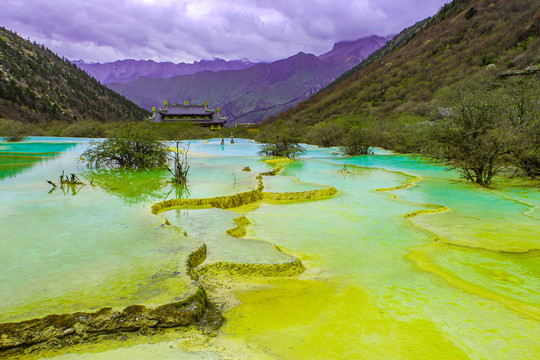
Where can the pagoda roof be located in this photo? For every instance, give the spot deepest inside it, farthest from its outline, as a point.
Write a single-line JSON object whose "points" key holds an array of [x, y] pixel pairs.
{"points": [[195, 113], [186, 110]]}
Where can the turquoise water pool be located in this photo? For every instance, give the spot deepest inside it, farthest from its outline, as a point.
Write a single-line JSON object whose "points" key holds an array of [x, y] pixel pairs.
{"points": [[431, 267]]}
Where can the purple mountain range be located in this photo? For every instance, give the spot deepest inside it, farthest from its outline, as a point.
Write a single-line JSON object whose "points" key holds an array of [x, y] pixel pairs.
{"points": [[245, 91], [125, 71]]}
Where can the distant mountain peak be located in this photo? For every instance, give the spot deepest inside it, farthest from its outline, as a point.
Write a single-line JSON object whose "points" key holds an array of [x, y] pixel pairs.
{"points": [[361, 48], [302, 54], [350, 42], [128, 70]]}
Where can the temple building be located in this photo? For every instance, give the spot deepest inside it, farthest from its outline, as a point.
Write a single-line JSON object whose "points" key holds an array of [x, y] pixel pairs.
{"points": [[195, 113]]}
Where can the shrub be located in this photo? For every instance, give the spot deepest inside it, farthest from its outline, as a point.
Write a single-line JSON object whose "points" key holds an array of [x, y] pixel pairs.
{"points": [[325, 135], [358, 141], [91, 129], [282, 145], [134, 146], [470, 13], [12, 130]]}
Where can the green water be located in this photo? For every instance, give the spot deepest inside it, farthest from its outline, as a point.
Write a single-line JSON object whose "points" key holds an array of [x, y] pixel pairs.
{"points": [[460, 283], [63, 253]]}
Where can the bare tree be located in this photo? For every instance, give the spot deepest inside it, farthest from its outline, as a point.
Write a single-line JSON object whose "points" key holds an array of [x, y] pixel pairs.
{"points": [[520, 99], [180, 161], [470, 133]]}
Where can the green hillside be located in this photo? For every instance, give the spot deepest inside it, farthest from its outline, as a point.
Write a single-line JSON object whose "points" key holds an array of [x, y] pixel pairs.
{"points": [[393, 90], [37, 87]]}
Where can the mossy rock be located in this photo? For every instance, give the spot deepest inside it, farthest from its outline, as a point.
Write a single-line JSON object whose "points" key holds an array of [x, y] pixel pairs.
{"points": [[290, 268], [273, 172], [105, 321], [301, 195]]}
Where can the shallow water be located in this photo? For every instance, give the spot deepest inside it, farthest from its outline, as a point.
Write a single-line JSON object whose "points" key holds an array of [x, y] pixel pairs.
{"points": [[79, 252], [435, 268]]}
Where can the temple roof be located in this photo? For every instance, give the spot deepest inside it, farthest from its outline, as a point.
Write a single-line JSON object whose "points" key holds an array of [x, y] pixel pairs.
{"points": [[195, 113], [186, 110]]}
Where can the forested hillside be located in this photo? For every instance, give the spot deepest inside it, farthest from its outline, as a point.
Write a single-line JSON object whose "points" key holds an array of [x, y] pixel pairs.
{"points": [[38, 86], [393, 90]]}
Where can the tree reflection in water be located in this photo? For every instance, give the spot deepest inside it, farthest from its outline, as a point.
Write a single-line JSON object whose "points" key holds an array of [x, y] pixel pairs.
{"points": [[136, 187]]}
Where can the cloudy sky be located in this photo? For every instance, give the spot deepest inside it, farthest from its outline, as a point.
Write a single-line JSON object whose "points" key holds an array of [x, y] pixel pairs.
{"points": [[189, 30]]}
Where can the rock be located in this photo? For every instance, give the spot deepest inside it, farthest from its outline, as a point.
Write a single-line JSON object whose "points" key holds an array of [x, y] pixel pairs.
{"points": [[79, 328], [54, 328]]}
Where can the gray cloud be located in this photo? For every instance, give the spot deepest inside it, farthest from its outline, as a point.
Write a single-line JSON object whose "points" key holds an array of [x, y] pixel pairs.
{"points": [[188, 30]]}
